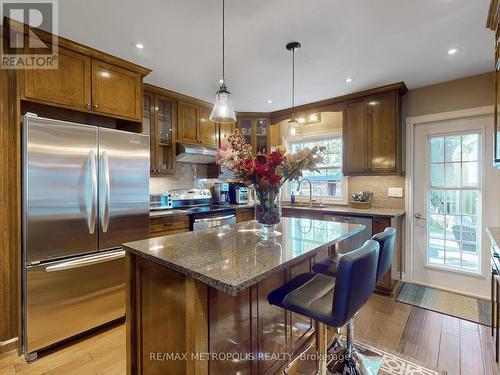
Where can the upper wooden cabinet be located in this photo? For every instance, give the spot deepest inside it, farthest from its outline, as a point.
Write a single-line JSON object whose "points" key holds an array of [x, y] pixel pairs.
{"points": [[372, 135], [87, 80], [116, 91], [159, 121], [193, 125], [255, 130], [69, 85], [493, 23], [225, 130]]}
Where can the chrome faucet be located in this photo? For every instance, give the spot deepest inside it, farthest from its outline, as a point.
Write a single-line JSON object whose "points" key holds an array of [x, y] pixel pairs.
{"points": [[310, 190]]}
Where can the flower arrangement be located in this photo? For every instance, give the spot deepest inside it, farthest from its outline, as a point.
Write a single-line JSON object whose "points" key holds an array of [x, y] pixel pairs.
{"points": [[267, 172]]}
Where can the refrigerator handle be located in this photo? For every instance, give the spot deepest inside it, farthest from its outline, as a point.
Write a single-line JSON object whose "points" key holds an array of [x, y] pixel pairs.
{"points": [[93, 214], [105, 213], [85, 262]]}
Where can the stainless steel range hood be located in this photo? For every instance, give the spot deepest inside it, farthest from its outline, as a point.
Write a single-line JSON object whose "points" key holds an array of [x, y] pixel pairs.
{"points": [[198, 154]]}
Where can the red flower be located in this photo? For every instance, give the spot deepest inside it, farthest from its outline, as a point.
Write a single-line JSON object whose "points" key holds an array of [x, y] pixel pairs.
{"points": [[248, 166], [275, 158], [274, 178], [260, 168]]}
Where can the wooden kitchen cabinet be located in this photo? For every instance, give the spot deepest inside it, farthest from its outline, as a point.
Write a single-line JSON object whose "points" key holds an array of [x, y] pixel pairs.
{"points": [[245, 214], [372, 135], [69, 85], [225, 130], [87, 80], [207, 130], [116, 91], [164, 226], [194, 126], [159, 119], [355, 138], [493, 23], [255, 130]]}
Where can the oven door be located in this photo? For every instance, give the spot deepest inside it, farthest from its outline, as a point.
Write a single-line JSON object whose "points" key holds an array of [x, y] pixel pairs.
{"points": [[213, 221]]}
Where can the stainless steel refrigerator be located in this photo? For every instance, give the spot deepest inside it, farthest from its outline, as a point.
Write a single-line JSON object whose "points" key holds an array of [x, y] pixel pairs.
{"points": [[85, 192]]}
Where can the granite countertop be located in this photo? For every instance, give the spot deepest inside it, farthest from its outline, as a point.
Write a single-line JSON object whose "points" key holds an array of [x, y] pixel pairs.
{"points": [[338, 209], [494, 235], [231, 258]]}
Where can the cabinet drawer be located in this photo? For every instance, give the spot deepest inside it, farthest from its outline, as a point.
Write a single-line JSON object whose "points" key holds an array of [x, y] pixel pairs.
{"points": [[169, 224]]}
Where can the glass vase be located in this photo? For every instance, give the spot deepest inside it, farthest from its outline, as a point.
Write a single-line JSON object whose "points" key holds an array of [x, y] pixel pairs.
{"points": [[268, 210]]}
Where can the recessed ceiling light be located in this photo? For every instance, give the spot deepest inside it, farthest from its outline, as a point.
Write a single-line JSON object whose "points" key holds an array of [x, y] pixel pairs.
{"points": [[348, 79], [452, 51], [269, 101], [139, 46]]}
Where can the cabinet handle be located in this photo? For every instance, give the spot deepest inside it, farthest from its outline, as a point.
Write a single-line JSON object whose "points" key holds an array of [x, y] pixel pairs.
{"points": [[96, 106], [88, 106]]}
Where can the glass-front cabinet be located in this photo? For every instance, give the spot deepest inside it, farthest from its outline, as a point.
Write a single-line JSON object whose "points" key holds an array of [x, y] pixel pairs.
{"points": [[158, 122], [256, 133]]}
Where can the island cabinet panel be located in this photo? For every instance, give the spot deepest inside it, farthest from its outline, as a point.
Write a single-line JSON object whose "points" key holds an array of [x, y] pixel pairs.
{"points": [[166, 315], [116, 91], [68, 85], [273, 330], [233, 331]]}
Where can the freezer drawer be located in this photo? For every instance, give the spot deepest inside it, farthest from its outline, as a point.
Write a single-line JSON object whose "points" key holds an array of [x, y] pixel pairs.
{"points": [[65, 298]]}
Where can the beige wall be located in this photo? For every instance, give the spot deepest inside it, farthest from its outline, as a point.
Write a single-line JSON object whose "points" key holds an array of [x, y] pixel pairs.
{"points": [[378, 185], [469, 92]]}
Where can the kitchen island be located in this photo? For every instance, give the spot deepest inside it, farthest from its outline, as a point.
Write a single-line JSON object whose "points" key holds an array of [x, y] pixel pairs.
{"points": [[197, 301]]}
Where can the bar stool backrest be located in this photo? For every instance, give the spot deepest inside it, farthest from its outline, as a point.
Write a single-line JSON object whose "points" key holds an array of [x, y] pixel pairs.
{"points": [[386, 241], [355, 282]]}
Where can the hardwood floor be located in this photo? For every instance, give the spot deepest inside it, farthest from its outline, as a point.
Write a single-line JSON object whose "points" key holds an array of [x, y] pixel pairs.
{"points": [[457, 346]]}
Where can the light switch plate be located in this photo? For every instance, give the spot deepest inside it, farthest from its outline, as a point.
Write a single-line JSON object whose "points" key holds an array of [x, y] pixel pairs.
{"points": [[395, 192]]}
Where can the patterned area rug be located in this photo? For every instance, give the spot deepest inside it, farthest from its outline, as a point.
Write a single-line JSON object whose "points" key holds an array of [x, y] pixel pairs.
{"points": [[468, 308], [392, 363], [398, 364]]}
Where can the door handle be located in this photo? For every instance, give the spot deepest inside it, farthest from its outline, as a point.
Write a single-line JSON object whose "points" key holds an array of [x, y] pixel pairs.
{"points": [[101, 258], [105, 210], [214, 218], [420, 217], [93, 207]]}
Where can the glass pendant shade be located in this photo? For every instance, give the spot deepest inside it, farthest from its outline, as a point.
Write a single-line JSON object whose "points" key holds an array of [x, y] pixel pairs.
{"points": [[223, 110], [293, 128]]}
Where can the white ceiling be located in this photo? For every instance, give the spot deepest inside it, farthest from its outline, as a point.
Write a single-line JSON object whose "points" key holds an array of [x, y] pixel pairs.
{"points": [[374, 41]]}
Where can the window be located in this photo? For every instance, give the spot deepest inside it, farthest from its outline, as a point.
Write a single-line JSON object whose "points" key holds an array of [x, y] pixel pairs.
{"points": [[329, 185], [454, 208]]}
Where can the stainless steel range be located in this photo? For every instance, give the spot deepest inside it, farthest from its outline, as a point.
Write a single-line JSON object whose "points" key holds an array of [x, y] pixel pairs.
{"points": [[203, 214]]}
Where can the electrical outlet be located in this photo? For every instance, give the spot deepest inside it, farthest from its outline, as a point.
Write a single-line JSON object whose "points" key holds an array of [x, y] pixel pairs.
{"points": [[395, 192]]}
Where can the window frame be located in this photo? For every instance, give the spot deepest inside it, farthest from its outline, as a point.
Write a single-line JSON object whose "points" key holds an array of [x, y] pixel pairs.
{"points": [[286, 191]]}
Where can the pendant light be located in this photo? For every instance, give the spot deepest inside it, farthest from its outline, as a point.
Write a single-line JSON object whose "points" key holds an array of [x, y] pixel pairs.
{"points": [[223, 110], [293, 125]]}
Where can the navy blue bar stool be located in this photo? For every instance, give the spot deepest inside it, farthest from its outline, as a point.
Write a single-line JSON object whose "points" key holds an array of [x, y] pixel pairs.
{"points": [[334, 301], [386, 240]]}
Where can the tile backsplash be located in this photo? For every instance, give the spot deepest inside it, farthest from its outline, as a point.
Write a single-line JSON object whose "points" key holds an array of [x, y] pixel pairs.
{"points": [[379, 186], [183, 177]]}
